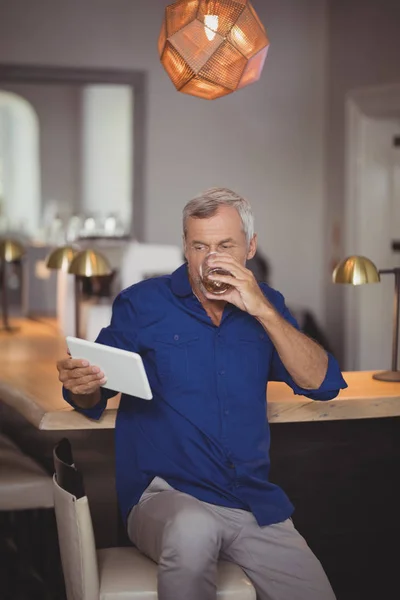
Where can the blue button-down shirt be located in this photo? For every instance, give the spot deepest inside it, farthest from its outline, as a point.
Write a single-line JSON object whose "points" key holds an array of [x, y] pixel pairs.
{"points": [[205, 431]]}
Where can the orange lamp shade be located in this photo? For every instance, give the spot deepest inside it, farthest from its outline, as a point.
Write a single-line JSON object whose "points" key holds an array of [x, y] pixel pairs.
{"points": [[211, 48]]}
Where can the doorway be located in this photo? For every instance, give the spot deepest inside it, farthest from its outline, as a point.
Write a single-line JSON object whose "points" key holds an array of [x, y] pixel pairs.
{"points": [[19, 166], [372, 221]]}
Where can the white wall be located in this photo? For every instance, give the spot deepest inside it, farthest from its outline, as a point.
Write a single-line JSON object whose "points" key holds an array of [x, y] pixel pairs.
{"points": [[364, 51], [266, 141]]}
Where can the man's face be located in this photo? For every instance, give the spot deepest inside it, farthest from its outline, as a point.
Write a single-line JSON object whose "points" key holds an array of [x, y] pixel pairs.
{"points": [[223, 232]]}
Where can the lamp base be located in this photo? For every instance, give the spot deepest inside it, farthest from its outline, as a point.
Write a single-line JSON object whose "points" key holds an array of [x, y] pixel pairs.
{"points": [[392, 376]]}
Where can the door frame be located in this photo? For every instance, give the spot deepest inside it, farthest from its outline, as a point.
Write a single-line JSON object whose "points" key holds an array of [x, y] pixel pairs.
{"points": [[376, 102]]}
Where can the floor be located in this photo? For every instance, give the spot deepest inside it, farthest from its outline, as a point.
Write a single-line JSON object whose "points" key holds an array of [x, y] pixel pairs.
{"points": [[30, 567]]}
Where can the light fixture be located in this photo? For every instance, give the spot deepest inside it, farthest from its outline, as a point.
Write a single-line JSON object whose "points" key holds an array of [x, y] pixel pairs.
{"points": [[86, 263], [358, 270], [211, 26], [211, 48], [89, 263], [61, 258], [10, 251]]}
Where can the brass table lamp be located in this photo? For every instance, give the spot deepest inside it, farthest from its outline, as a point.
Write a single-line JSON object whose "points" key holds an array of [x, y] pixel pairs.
{"points": [[358, 270], [61, 258], [10, 251], [86, 263]]}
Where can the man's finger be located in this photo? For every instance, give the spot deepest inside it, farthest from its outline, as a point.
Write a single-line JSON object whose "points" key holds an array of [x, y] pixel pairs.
{"points": [[86, 380], [227, 296], [76, 374], [233, 281], [86, 388], [230, 265], [73, 363], [94, 372]]}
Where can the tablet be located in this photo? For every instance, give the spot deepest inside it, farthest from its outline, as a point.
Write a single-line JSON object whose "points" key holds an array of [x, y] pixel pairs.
{"points": [[124, 370]]}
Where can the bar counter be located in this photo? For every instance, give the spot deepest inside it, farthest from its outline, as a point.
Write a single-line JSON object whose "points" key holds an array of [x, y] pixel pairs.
{"points": [[29, 384]]}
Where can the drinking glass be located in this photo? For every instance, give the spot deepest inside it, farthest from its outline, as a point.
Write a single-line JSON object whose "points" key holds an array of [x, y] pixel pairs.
{"points": [[213, 286]]}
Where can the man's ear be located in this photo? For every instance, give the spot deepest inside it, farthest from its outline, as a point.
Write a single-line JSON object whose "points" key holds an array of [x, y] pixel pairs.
{"points": [[252, 247], [184, 247]]}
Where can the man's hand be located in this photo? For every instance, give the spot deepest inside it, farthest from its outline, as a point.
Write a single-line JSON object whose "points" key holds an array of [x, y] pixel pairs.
{"points": [[79, 377], [303, 358], [245, 292]]}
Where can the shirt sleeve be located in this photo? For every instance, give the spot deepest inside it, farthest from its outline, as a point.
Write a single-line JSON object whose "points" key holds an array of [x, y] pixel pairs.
{"points": [[121, 333], [333, 381]]}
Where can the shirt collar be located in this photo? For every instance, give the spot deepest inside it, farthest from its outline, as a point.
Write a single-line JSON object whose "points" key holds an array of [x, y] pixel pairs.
{"points": [[180, 283]]}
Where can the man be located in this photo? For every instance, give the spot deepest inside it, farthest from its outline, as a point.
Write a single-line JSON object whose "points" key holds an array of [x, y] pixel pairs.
{"points": [[193, 463], [307, 322]]}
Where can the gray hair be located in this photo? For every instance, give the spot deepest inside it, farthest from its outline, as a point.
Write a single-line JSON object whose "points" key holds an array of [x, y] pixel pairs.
{"points": [[206, 205]]}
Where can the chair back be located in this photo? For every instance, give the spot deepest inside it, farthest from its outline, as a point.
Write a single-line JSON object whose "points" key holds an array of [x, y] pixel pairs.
{"points": [[75, 528]]}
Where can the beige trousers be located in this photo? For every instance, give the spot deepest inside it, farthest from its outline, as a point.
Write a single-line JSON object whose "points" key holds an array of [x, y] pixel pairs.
{"points": [[186, 537]]}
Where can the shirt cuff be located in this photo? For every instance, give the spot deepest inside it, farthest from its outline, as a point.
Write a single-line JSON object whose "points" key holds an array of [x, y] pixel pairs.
{"points": [[94, 412], [329, 388]]}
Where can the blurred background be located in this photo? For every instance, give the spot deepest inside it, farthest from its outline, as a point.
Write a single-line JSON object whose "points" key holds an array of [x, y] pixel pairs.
{"points": [[113, 158]]}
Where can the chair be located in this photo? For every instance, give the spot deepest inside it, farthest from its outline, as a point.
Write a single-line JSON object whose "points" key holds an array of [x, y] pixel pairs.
{"points": [[112, 573], [27, 522], [24, 484]]}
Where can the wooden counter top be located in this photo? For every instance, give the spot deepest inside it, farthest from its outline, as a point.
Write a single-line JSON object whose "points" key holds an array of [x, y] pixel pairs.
{"points": [[29, 384]]}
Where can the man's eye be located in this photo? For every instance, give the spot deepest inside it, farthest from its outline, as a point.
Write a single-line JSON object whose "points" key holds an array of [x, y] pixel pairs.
{"points": [[226, 246], [199, 247]]}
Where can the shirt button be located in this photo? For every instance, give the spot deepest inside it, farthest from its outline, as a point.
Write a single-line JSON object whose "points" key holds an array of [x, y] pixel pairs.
{"points": [[226, 412], [262, 335], [176, 337], [222, 372], [231, 465]]}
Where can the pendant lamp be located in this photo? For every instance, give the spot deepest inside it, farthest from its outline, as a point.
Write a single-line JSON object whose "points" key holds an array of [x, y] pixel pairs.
{"points": [[211, 48]]}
